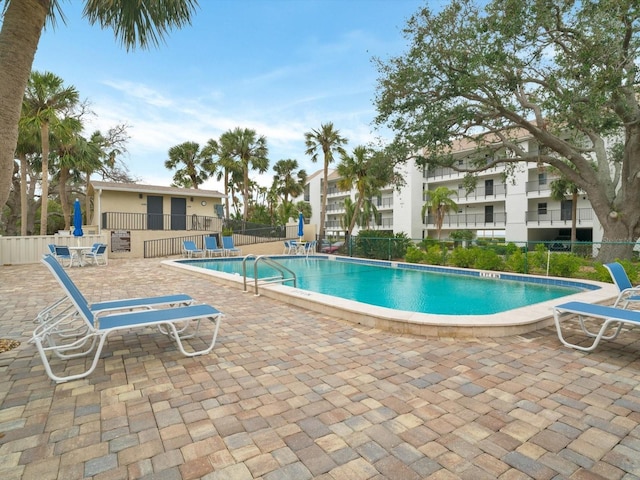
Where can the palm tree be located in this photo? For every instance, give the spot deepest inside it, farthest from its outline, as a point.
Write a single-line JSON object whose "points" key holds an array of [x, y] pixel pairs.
{"points": [[439, 204], [72, 151], [142, 23], [249, 152], [560, 187], [192, 173], [287, 181], [352, 170], [367, 171], [45, 100], [109, 146], [328, 141], [28, 145]]}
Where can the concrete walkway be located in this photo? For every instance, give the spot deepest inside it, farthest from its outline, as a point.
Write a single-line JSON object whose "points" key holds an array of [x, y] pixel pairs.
{"points": [[289, 394]]}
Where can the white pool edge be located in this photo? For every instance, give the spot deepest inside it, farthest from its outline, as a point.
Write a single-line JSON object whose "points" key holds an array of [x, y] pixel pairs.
{"points": [[512, 322]]}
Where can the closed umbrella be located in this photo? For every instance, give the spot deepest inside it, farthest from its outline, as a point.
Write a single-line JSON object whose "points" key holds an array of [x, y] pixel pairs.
{"points": [[300, 225], [77, 219]]}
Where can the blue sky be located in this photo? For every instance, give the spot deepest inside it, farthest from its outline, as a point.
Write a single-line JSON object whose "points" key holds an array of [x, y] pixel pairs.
{"points": [[280, 67]]}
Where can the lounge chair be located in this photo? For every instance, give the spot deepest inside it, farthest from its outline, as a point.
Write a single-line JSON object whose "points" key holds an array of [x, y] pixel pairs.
{"points": [[627, 292], [229, 247], [63, 305], [211, 247], [310, 247], [610, 316], [97, 253], [56, 333], [190, 250], [64, 254]]}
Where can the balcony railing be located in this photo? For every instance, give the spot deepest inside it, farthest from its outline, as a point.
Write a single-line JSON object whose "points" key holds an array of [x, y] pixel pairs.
{"points": [[448, 172], [384, 203], [480, 193], [585, 215], [150, 221], [464, 220]]}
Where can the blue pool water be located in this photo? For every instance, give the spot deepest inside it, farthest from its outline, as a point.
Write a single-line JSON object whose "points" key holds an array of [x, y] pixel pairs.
{"points": [[404, 289]]}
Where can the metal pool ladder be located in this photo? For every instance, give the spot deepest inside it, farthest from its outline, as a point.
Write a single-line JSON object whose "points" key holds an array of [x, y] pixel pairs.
{"points": [[282, 278]]}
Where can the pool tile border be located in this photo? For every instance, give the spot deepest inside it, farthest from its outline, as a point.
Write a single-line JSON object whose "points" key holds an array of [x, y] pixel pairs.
{"points": [[513, 322]]}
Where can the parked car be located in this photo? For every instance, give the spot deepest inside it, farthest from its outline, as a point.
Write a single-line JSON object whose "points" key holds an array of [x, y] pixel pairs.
{"points": [[560, 247], [328, 247]]}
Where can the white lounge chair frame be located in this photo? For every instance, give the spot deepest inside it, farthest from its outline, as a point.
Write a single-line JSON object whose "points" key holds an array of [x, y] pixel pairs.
{"points": [[613, 317], [61, 334], [97, 253]]}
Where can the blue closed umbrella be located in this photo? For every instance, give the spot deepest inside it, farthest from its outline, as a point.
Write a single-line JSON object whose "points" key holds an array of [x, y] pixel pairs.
{"points": [[300, 225], [77, 219]]}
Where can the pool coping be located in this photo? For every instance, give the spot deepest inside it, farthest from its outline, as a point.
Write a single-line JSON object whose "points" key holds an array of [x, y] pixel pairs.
{"points": [[517, 321]]}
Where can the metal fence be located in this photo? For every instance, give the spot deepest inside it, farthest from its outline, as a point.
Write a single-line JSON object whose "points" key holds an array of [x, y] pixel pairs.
{"points": [[148, 221], [253, 234]]}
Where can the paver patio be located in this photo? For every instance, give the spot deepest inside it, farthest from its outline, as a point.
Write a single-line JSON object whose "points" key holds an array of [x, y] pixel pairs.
{"points": [[291, 394]]}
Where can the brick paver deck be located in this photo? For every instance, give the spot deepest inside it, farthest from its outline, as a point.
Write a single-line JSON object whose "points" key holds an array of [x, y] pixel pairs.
{"points": [[290, 394]]}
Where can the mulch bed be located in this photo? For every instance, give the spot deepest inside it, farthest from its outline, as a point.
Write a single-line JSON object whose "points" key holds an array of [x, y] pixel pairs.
{"points": [[7, 344]]}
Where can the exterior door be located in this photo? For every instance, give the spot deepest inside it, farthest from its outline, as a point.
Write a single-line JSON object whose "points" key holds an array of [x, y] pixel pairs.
{"points": [[488, 214], [178, 213], [488, 188], [566, 210], [154, 213]]}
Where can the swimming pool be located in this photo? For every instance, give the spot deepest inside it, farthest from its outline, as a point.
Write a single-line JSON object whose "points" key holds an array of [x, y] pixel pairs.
{"points": [[412, 298], [402, 288]]}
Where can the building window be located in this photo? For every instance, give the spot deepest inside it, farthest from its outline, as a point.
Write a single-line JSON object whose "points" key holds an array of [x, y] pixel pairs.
{"points": [[542, 209], [542, 178]]}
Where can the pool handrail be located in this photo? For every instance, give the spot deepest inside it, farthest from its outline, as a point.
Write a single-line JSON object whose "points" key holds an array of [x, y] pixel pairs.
{"points": [[272, 263]]}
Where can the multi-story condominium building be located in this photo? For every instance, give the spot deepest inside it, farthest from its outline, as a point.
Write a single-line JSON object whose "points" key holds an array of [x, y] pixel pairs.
{"points": [[518, 207]]}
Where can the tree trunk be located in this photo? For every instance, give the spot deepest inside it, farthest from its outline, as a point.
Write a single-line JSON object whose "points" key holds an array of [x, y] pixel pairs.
{"points": [[245, 192], [64, 199], [323, 204], [22, 25], [574, 218], [24, 205], [44, 207], [617, 242], [226, 193], [355, 215]]}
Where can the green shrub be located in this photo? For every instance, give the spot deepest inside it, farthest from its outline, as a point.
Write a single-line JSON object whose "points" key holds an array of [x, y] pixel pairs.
{"points": [[512, 248], [381, 245], [538, 258], [463, 257], [436, 255], [488, 260], [517, 262], [564, 265], [415, 255]]}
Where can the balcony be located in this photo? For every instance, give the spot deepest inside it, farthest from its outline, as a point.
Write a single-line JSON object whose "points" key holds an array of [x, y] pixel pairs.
{"points": [[471, 220], [144, 221], [448, 172], [384, 204], [480, 193], [559, 217]]}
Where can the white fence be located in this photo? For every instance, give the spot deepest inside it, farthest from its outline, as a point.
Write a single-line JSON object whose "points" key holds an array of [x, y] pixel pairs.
{"points": [[20, 250]]}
